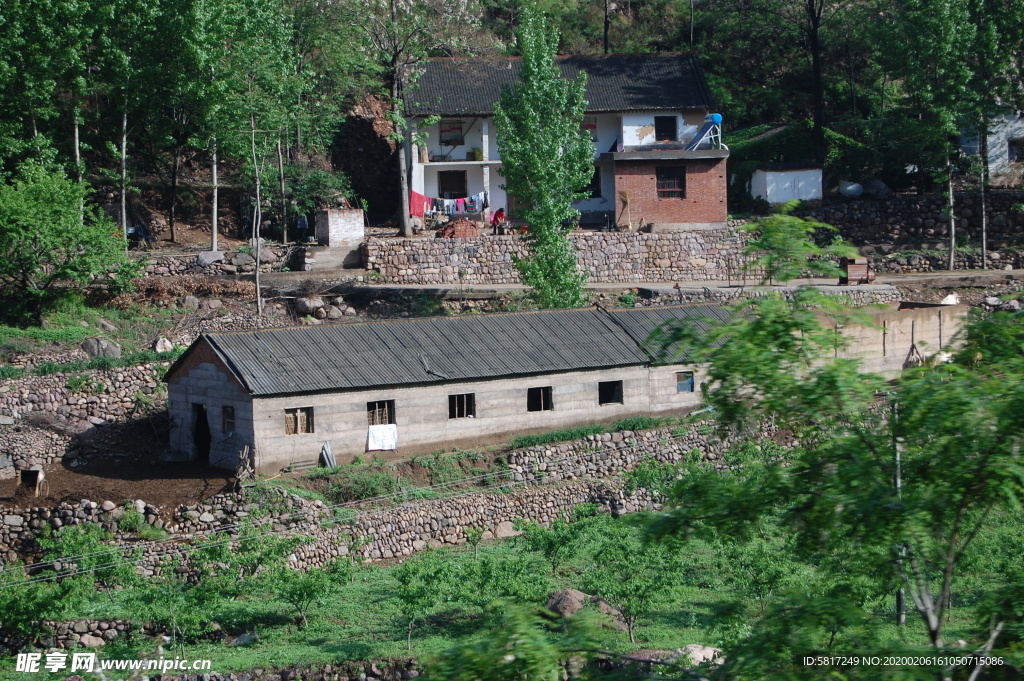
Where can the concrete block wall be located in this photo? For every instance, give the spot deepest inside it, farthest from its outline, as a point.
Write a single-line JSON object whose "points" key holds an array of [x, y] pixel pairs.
{"points": [[705, 201], [422, 412]]}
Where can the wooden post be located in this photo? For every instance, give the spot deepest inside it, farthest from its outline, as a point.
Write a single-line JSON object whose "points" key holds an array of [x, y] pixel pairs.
{"points": [[213, 216], [485, 142]]}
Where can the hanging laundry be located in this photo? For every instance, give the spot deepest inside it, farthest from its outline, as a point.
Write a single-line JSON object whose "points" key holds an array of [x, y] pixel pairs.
{"points": [[460, 205], [417, 203], [471, 205]]}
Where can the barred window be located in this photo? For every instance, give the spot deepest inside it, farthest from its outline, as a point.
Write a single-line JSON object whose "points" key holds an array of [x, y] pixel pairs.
{"points": [[671, 182], [380, 413], [298, 420], [462, 406], [227, 420]]}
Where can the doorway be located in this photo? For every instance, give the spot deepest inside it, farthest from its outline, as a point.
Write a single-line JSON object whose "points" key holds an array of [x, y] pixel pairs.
{"points": [[200, 433]]}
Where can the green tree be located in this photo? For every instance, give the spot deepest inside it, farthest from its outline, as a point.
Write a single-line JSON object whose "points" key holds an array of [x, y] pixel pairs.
{"points": [[633, 577], [301, 590], [547, 159], [783, 247], [891, 481], [424, 583], [555, 542], [43, 243]]}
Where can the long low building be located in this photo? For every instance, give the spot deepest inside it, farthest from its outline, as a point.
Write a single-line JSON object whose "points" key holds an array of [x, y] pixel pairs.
{"points": [[422, 384]]}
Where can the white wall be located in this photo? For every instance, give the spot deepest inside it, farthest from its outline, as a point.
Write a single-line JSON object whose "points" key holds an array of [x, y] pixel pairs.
{"points": [[780, 186], [638, 128], [1003, 128]]}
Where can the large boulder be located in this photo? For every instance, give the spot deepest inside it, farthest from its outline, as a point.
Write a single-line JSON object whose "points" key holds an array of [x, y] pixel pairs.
{"points": [[567, 602], [309, 304], [699, 654], [504, 530], [101, 347], [207, 258], [162, 345], [242, 259]]}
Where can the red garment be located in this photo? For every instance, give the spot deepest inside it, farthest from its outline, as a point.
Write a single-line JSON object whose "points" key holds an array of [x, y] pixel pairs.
{"points": [[417, 202], [498, 217]]}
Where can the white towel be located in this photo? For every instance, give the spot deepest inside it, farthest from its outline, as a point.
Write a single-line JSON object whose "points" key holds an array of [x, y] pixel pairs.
{"points": [[382, 437]]}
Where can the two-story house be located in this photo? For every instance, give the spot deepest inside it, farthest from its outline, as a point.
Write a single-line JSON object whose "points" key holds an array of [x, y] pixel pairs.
{"points": [[656, 160]]}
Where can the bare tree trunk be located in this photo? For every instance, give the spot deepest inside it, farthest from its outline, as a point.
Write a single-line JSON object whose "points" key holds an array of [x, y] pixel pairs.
{"points": [[952, 220], [257, 217], [405, 224], [213, 216], [814, 10], [124, 174], [284, 197], [174, 194], [78, 165], [983, 150]]}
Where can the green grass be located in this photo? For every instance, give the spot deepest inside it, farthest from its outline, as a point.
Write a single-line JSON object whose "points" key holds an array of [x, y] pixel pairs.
{"points": [[581, 432], [363, 621]]}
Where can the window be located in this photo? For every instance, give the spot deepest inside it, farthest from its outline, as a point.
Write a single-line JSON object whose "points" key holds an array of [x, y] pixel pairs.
{"points": [[609, 392], [1015, 150], [671, 182], [462, 406], [590, 126], [451, 184], [451, 133], [665, 129], [539, 399], [684, 382], [298, 420], [227, 421], [380, 413], [594, 188]]}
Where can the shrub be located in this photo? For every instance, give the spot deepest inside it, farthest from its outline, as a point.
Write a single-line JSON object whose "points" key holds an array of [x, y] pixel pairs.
{"points": [[362, 483], [131, 520]]}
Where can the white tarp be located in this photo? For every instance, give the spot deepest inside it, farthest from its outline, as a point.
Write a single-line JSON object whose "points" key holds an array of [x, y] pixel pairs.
{"points": [[382, 437]]}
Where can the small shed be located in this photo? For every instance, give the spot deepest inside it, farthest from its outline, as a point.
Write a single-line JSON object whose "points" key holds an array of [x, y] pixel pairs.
{"points": [[778, 183]]}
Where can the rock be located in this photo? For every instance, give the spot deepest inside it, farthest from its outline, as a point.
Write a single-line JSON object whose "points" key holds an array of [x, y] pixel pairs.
{"points": [[1011, 305], [90, 641], [162, 344], [350, 312], [108, 505], [242, 259], [993, 301], [504, 530], [308, 305], [245, 639], [567, 602], [228, 269], [6, 420], [267, 255], [213, 304], [334, 313], [101, 347], [206, 518], [97, 421], [699, 654], [13, 520], [107, 326], [140, 505], [80, 627], [190, 303], [207, 258], [877, 189], [851, 189]]}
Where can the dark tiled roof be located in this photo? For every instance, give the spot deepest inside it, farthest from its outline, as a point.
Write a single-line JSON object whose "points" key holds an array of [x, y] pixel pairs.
{"points": [[641, 322], [615, 82], [437, 349]]}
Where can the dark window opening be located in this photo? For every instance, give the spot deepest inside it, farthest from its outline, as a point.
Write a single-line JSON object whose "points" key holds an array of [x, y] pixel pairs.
{"points": [[451, 184], [685, 382], [665, 129], [462, 406], [609, 392], [539, 399], [594, 188], [451, 133], [380, 413], [227, 420], [298, 420], [671, 182], [1016, 150]]}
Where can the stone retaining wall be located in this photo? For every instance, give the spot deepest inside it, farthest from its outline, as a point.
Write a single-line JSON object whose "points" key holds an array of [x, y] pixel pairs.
{"points": [[902, 263], [211, 263], [909, 219], [608, 257]]}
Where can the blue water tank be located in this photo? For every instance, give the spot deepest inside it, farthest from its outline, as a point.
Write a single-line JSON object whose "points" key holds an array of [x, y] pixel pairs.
{"points": [[716, 118]]}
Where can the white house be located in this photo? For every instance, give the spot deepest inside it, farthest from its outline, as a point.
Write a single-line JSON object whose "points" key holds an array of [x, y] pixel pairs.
{"points": [[645, 113]]}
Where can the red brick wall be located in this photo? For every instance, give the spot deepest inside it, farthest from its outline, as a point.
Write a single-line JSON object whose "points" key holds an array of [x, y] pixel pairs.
{"points": [[705, 192]]}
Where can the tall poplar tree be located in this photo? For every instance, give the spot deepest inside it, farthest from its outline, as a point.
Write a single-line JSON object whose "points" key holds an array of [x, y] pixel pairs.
{"points": [[547, 159]]}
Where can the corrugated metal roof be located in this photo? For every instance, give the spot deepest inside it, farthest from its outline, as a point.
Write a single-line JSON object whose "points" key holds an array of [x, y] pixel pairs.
{"points": [[439, 349], [615, 82], [640, 323]]}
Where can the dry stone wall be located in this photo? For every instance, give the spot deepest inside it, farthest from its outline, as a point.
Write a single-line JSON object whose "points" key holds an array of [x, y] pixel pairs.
{"points": [[211, 263], [608, 257], [911, 219]]}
